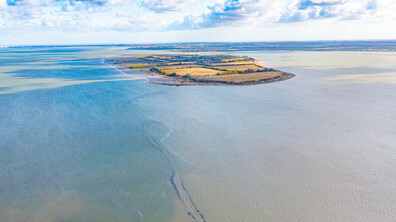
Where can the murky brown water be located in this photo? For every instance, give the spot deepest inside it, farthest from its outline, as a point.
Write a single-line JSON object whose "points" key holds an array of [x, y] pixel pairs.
{"points": [[80, 141]]}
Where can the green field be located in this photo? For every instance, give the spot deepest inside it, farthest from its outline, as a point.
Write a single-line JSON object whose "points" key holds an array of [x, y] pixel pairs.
{"points": [[138, 66], [240, 67]]}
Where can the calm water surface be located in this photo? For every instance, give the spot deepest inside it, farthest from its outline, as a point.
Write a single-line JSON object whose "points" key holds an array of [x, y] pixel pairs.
{"points": [[83, 141]]}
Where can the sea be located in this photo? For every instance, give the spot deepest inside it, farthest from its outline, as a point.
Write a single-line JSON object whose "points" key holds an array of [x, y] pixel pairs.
{"points": [[84, 140]]}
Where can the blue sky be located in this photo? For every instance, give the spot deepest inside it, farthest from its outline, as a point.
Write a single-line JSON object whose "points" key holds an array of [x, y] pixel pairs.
{"points": [[25, 22]]}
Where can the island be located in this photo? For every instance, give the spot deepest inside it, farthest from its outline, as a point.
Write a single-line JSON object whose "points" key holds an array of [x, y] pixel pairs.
{"points": [[191, 69]]}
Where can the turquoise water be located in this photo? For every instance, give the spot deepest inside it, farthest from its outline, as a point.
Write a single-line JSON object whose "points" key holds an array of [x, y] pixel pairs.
{"points": [[80, 152], [83, 141]]}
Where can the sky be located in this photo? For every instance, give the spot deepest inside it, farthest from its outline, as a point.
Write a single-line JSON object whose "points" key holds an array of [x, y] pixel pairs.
{"points": [[41, 22]]}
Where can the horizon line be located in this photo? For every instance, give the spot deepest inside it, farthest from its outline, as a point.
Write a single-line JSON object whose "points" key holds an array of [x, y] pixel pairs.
{"points": [[203, 42]]}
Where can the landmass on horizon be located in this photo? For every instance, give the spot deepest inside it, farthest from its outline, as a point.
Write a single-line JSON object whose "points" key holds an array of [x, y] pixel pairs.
{"points": [[186, 69], [345, 45], [374, 45]]}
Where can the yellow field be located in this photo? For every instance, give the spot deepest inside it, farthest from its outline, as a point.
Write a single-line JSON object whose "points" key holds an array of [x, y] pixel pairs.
{"points": [[196, 71], [256, 76], [180, 66], [177, 63], [240, 67]]}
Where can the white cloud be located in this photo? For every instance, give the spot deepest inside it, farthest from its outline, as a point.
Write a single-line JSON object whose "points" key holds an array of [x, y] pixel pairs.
{"points": [[232, 13], [49, 23], [3, 3], [161, 6], [304, 10], [133, 23]]}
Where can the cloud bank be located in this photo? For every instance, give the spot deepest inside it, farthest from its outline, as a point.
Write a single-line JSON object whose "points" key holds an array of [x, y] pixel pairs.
{"points": [[262, 12], [167, 15]]}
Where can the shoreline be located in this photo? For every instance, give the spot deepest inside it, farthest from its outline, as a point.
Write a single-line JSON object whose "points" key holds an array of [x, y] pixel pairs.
{"points": [[201, 82]]}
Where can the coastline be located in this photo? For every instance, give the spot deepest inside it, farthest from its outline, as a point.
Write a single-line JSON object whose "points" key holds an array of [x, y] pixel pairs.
{"points": [[177, 81]]}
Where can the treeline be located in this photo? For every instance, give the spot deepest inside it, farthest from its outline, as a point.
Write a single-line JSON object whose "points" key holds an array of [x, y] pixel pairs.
{"points": [[196, 59], [227, 71], [157, 70]]}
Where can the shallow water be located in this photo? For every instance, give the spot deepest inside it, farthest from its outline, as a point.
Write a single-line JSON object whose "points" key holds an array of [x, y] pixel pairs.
{"points": [[82, 141]]}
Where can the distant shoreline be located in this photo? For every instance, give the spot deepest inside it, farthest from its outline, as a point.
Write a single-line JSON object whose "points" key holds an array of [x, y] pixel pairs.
{"points": [[385, 45], [346, 45]]}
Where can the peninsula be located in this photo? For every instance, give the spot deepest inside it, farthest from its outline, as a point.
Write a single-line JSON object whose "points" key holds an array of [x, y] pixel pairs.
{"points": [[187, 69]]}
